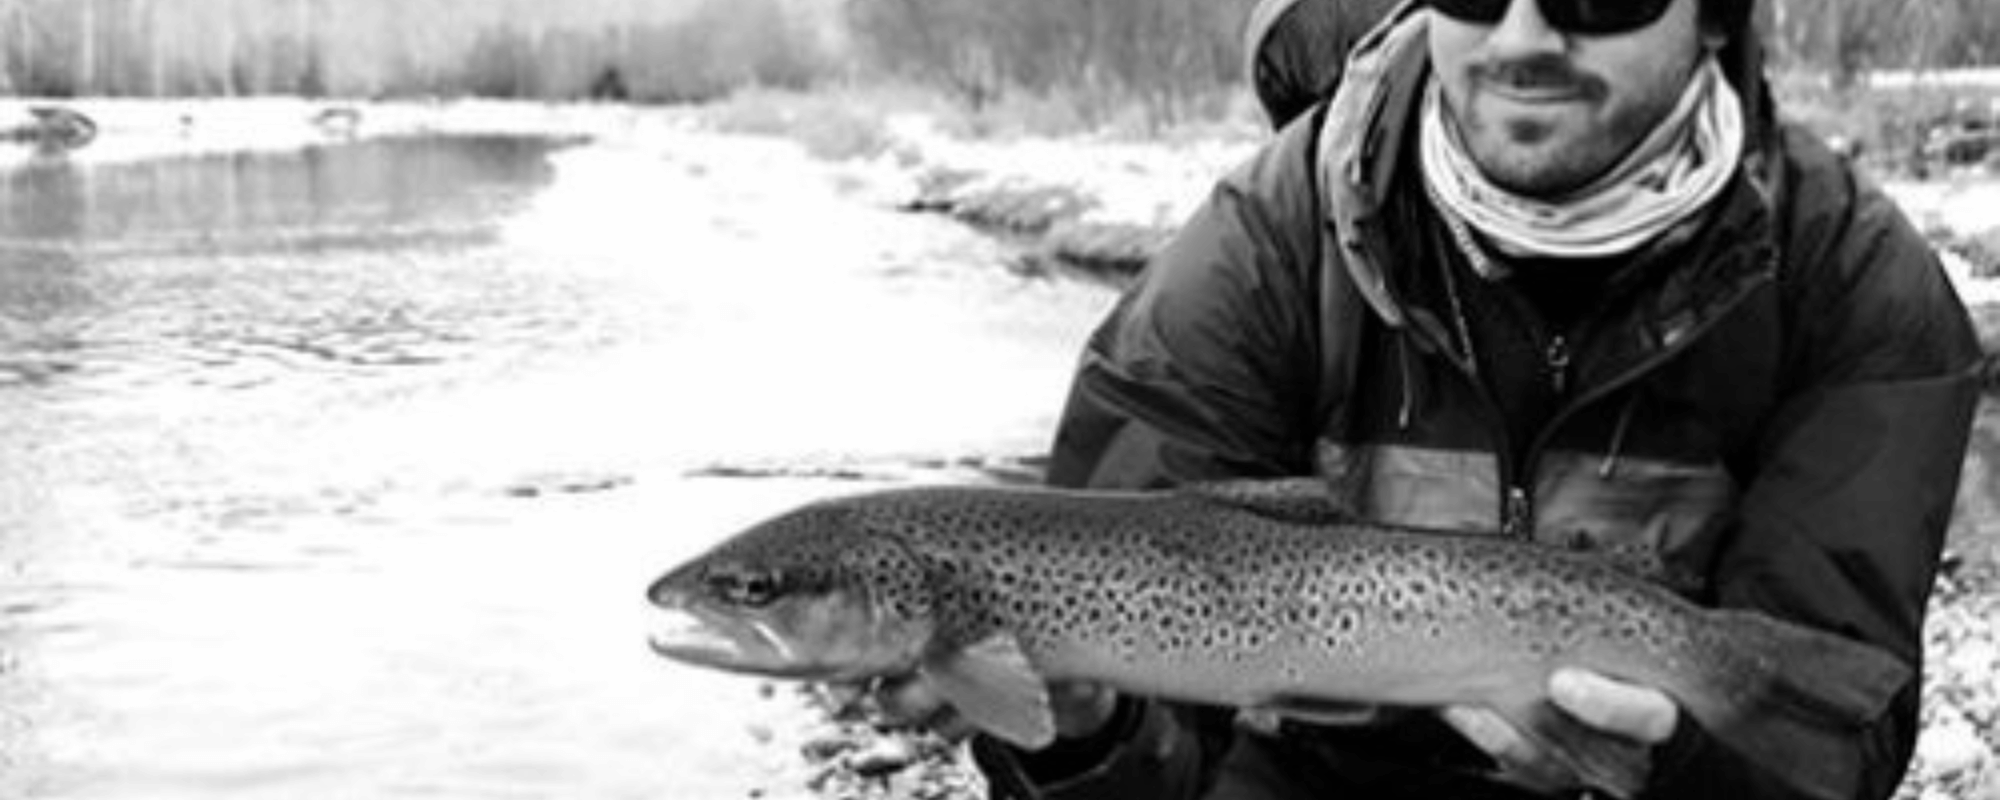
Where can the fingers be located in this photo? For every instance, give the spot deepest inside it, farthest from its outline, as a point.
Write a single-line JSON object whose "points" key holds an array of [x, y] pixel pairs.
{"points": [[1521, 762], [1081, 708], [1639, 713], [1487, 731], [908, 699]]}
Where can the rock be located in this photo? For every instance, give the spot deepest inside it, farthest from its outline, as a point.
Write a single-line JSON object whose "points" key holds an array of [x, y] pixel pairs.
{"points": [[827, 748], [1975, 526], [821, 779], [559, 483], [1987, 789], [883, 757], [1020, 207], [1111, 249], [1974, 658], [1952, 747], [49, 127]]}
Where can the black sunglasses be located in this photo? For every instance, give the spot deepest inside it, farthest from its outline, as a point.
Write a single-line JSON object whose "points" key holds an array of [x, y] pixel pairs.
{"points": [[1589, 17]]}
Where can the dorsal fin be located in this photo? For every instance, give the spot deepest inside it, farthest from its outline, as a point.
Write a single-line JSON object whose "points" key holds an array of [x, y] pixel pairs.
{"points": [[1302, 500]]}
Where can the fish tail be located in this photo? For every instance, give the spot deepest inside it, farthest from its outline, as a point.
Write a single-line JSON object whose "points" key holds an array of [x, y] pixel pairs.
{"points": [[1820, 676], [1820, 692]]}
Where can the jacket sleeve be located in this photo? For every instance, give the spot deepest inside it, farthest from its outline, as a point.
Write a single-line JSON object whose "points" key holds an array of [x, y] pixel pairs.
{"points": [[1198, 373], [1205, 368], [1851, 482]]}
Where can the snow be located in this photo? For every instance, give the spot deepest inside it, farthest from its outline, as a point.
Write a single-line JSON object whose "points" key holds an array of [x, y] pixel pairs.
{"points": [[1967, 207], [1138, 183], [1979, 78]]}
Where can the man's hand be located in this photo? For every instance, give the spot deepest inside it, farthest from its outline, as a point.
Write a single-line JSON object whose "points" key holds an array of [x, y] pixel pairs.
{"points": [[1641, 714], [1080, 709]]}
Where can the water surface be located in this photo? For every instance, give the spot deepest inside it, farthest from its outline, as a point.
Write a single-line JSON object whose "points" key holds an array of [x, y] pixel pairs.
{"points": [[339, 473]]}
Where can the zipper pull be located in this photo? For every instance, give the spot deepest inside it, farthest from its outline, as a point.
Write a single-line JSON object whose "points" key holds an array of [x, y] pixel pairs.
{"points": [[1518, 518], [1557, 359]]}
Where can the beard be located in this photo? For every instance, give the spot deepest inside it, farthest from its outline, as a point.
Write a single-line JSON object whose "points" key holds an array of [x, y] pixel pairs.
{"points": [[1572, 128]]}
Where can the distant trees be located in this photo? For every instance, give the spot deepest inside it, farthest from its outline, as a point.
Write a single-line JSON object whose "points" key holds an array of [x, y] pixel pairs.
{"points": [[654, 49], [1167, 57], [1846, 38], [1166, 54], [722, 45]]}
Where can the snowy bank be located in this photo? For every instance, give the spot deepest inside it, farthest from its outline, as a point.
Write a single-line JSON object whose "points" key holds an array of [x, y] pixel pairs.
{"points": [[133, 130]]}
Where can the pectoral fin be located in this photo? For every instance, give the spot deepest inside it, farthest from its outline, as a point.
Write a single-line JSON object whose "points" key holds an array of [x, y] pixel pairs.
{"points": [[994, 686]]}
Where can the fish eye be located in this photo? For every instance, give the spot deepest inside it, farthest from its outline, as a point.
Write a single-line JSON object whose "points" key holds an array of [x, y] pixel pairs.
{"points": [[749, 588]]}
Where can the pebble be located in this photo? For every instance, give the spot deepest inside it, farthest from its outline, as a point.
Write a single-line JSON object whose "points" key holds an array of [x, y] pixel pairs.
{"points": [[1952, 747], [1975, 657], [832, 746], [1988, 789], [883, 757]]}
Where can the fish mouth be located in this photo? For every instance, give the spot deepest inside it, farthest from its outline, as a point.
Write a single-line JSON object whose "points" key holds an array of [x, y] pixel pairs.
{"points": [[693, 635], [681, 634]]}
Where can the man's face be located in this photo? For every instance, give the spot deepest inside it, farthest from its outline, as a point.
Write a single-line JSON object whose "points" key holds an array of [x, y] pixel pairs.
{"points": [[1543, 111]]}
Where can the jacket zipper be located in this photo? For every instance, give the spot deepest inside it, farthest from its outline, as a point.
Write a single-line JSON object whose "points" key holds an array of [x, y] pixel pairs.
{"points": [[1517, 521], [1679, 342], [1555, 358], [1517, 515], [1517, 501], [1517, 511]]}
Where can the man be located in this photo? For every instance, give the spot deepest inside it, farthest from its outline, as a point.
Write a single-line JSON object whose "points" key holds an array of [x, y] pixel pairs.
{"points": [[1546, 269]]}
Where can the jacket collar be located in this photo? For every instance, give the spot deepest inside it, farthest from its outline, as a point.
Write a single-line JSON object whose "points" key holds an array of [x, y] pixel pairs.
{"points": [[1360, 144]]}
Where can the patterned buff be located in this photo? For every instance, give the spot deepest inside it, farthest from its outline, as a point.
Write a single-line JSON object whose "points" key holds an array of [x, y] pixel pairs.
{"points": [[1669, 176]]}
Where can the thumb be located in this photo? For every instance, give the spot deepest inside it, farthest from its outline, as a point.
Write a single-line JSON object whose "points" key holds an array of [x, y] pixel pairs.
{"points": [[1639, 713]]}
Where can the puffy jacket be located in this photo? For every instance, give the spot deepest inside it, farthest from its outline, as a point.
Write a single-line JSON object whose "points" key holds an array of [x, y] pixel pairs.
{"points": [[1769, 406]]}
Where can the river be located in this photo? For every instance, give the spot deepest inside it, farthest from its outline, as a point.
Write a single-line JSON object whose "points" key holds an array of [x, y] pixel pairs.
{"points": [[340, 472]]}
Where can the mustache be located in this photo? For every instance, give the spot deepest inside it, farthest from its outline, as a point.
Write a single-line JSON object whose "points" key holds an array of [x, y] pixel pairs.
{"points": [[1542, 71]]}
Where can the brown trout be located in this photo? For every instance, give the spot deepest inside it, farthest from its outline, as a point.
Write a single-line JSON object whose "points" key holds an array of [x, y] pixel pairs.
{"points": [[1261, 595]]}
